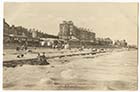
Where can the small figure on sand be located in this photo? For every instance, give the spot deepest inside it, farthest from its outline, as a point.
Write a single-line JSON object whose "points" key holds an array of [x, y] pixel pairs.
{"points": [[42, 59], [21, 51]]}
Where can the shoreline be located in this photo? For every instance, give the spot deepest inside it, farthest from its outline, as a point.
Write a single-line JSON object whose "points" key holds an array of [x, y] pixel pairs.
{"points": [[71, 53]]}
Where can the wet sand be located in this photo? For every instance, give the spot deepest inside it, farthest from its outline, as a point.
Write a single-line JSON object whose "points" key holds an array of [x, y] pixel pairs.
{"points": [[106, 71]]}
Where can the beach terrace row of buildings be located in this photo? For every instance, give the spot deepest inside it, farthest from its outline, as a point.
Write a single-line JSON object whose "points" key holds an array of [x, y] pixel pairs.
{"points": [[120, 43], [69, 34], [18, 35], [77, 36], [69, 31]]}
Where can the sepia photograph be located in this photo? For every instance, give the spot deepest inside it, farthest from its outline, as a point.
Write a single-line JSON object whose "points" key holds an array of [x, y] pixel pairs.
{"points": [[70, 46]]}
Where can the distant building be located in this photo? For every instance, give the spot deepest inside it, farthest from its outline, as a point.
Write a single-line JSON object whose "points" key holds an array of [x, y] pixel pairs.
{"points": [[120, 43], [34, 34], [69, 31], [81, 36], [64, 32], [6, 27], [75, 36], [104, 41]]}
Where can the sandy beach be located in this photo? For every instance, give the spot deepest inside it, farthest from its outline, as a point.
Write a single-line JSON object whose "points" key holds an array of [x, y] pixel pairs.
{"points": [[115, 70]]}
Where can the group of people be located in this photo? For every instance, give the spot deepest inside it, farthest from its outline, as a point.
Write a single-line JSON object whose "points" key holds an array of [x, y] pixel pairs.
{"points": [[22, 50], [41, 58]]}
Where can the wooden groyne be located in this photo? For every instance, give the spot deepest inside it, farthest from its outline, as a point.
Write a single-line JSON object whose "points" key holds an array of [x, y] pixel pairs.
{"points": [[35, 61]]}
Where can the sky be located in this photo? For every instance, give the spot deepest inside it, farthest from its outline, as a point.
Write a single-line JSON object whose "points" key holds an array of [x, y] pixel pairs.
{"points": [[115, 20]]}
